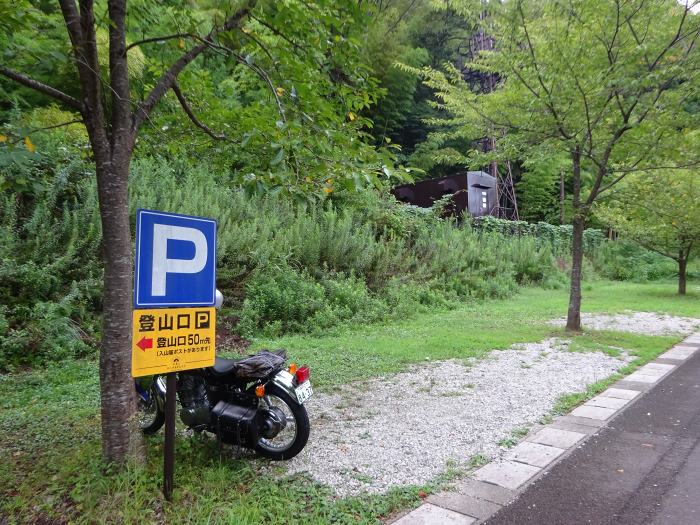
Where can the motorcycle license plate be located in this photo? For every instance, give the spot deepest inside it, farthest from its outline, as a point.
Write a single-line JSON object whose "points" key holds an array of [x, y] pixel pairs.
{"points": [[304, 392]]}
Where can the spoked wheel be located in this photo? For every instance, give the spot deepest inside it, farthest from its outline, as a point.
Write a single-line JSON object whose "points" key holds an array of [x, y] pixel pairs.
{"points": [[150, 414], [291, 439]]}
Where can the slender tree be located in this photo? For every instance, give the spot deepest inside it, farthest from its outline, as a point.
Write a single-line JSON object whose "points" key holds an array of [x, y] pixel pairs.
{"points": [[659, 211], [604, 82], [113, 119]]}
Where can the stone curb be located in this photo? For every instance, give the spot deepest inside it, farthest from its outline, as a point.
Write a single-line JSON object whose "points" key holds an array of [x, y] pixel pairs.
{"points": [[496, 484]]}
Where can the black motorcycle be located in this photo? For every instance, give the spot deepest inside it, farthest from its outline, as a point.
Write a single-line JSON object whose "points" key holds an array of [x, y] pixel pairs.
{"points": [[255, 402]]}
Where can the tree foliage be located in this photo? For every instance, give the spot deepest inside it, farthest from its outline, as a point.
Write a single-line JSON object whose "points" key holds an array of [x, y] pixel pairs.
{"points": [[660, 212], [278, 104], [293, 87]]}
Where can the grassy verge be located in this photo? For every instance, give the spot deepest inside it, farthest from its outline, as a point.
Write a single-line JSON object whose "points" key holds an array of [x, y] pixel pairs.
{"points": [[472, 330], [50, 469], [49, 420]]}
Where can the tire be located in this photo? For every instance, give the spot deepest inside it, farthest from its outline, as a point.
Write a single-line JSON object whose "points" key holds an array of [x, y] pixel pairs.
{"points": [[284, 451], [151, 416]]}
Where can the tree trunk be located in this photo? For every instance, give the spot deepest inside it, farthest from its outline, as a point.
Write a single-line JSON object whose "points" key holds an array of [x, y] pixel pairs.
{"points": [[682, 272], [562, 196], [573, 318], [120, 437]]}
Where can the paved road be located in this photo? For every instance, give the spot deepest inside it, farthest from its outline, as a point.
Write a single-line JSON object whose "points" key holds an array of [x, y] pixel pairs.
{"points": [[642, 469]]}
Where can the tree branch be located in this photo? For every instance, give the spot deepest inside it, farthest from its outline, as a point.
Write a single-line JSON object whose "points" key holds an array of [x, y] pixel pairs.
{"points": [[548, 103], [188, 111], [168, 78], [119, 77], [279, 33], [257, 70], [72, 18], [398, 20], [673, 41], [81, 30], [36, 130], [691, 164], [26, 81], [158, 39]]}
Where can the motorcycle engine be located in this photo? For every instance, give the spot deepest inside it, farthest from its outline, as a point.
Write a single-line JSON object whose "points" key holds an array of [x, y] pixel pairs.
{"points": [[194, 401], [273, 422]]}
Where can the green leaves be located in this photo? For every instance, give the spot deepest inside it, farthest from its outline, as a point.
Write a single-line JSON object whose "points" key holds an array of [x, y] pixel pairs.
{"points": [[277, 158], [604, 77], [658, 210]]}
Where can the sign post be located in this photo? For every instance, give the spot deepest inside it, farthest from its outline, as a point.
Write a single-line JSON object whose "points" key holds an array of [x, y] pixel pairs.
{"points": [[169, 445], [174, 324]]}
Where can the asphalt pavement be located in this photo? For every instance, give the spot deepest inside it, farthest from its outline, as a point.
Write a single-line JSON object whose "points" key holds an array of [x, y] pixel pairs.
{"points": [[643, 468]]}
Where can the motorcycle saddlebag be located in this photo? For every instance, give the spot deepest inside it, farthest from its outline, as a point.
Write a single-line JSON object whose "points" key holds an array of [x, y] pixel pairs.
{"points": [[235, 424]]}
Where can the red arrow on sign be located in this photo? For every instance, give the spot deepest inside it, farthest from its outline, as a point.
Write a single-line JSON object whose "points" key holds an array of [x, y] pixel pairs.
{"points": [[145, 343]]}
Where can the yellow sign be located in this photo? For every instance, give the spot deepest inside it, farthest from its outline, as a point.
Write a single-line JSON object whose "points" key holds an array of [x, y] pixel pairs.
{"points": [[172, 339]]}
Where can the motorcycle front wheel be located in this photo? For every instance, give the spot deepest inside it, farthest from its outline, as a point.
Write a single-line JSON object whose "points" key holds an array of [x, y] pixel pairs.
{"points": [[150, 414], [292, 439]]}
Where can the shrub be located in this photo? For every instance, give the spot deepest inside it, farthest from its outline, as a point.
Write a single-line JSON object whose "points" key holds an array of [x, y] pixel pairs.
{"points": [[280, 299], [286, 267], [623, 260], [49, 269], [556, 237], [350, 299]]}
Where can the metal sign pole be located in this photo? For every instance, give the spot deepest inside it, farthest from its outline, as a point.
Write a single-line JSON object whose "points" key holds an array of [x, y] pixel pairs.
{"points": [[169, 447]]}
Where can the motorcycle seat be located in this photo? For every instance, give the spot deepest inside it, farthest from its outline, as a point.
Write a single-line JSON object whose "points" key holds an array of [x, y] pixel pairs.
{"points": [[223, 366], [256, 366]]}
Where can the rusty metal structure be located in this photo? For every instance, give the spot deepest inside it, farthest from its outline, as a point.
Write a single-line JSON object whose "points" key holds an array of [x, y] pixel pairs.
{"points": [[473, 192], [507, 204], [479, 193]]}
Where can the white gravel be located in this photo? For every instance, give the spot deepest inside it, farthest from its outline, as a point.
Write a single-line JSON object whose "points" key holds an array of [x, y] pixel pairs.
{"points": [[647, 323], [407, 428]]}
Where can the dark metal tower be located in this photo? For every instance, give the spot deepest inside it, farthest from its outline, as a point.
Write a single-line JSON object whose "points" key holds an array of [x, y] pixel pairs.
{"points": [[507, 205]]}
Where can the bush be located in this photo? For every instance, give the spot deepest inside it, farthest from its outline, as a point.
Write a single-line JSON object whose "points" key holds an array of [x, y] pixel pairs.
{"points": [[47, 335], [623, 260], [281, 299], [361, 243], [50, 282], [286, 267], [556, 237]]}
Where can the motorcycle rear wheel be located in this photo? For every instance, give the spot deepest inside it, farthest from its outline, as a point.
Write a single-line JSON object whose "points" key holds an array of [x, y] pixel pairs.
{"points": [[296, 416], [150, 415]]}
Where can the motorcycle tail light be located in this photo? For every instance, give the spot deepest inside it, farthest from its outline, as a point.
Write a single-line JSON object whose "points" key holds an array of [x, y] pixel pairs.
{"points": [[303, 374], [293, 368]]}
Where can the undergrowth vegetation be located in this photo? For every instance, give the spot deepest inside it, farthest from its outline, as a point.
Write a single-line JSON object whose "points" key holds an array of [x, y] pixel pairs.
{"points": [[284, 267]]}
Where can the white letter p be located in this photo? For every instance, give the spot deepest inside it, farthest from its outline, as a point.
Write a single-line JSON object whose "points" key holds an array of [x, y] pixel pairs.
{"points": [[162, 266]]}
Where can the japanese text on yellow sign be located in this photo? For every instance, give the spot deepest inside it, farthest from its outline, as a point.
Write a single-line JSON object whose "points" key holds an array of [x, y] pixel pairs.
{"points": [[172, 339]]}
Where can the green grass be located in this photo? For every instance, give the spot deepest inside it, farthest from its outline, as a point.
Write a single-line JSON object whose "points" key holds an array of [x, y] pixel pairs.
{"points": [[50, 468], [49, 420], [516, 435], [470, 330]]}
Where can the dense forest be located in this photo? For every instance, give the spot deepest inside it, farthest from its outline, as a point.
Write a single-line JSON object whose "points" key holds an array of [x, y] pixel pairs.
{"points": [[289, 122]]}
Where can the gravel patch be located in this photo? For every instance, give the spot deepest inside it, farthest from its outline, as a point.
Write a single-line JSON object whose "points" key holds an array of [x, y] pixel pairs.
{"points": [[646, 323], [407, 428]]}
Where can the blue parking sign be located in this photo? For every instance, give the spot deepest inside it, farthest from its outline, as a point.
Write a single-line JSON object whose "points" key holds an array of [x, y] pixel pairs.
{"points": [[175, 260]]}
